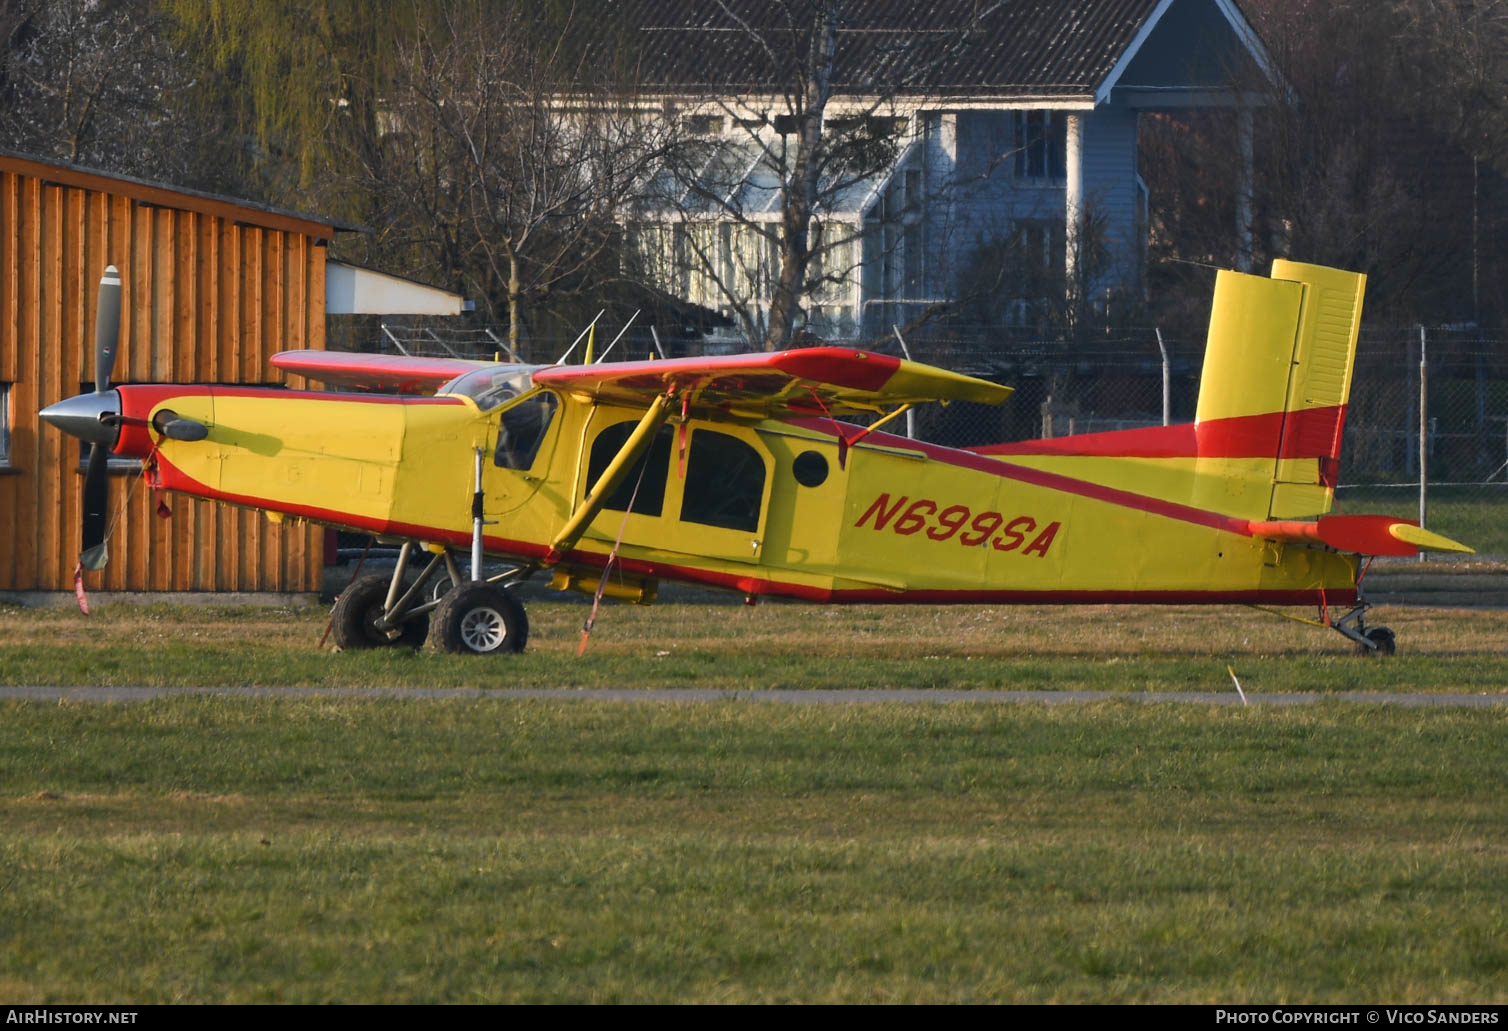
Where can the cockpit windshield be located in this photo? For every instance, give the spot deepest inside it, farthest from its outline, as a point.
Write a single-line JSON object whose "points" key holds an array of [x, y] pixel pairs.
{"points": [[492, 386]]}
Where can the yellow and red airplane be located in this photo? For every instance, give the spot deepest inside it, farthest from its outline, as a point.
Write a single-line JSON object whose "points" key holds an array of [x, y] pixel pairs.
{"points": [[739, 472]]}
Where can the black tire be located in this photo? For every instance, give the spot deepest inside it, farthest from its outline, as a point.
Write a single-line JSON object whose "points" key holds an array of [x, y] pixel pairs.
{"points": [[1383, 638], [356, 613], [479, 619]]}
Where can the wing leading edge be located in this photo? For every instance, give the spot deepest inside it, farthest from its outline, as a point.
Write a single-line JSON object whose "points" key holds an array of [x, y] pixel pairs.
{"points": [[385, 373], [809, 382], [812, 381]]}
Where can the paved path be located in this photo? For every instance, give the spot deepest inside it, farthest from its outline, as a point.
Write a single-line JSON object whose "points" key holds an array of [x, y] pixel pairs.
{"points": [[787, 697]]}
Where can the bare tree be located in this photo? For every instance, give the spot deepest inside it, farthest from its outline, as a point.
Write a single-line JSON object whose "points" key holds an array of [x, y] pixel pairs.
{"points": [[502, 163], [760, 212], [82, 76], [1363, 156], [108, 84]]}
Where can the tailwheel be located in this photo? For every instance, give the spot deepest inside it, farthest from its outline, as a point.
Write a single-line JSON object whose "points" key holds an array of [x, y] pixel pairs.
{"points": [[479, 619], [1373, 640], [357, 616], [1383, 642]]}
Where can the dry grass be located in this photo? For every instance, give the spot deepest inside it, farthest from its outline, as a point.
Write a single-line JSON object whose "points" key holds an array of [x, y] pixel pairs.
{"points": [[735, 647]]}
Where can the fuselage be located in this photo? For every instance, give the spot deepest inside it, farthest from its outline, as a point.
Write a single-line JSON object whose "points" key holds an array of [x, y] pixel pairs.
{"points": [[763, 507]]}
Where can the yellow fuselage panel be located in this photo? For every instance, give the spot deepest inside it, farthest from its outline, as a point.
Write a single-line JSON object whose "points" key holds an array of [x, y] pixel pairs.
{"points": [[374, 461], [887, 518]]}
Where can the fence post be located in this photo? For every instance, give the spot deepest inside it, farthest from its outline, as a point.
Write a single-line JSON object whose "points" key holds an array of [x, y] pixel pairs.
{"points": [[1167, 391], [1423, 430], [906, 351]]}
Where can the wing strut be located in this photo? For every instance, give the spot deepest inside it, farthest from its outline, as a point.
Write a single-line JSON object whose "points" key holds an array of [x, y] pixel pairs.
{"points": [[616, 472]]}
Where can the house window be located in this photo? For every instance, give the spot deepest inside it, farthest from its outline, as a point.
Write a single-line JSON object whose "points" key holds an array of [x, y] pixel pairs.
{"points": [[724, 482], [651, 498], [521, 431], [1038, 247], [4, 424], [704, 125], [1040, 145]]}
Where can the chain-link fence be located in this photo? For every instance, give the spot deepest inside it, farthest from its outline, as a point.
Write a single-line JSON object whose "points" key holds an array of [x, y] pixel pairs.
{"points": [[1448, 419]]}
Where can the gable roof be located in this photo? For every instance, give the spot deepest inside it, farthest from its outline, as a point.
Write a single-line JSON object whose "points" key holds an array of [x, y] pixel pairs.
{"points": [[1064, 49]]}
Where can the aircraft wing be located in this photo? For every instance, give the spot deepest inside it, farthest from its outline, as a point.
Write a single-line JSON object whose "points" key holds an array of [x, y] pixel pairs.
{"points": [[809, 382], [384, 373]]}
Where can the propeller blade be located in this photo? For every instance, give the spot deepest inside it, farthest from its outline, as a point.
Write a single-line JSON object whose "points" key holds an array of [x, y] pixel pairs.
{"points": [[96, 508], [106, 329]]}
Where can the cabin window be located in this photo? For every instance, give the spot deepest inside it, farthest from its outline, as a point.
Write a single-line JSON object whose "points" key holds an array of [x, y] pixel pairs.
{"points": [[810, 469], [651, 498], [724, 482], [4, 424], [1041, 145], [521, 431]]}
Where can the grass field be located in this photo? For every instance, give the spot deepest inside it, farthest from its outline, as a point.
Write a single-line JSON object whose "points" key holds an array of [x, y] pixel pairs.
{"points": [[791, 646], [213, 849], [1475, 516]]}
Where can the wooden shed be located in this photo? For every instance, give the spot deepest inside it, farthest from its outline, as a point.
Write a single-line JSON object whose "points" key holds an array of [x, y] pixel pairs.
{"points": [[212, 288]]}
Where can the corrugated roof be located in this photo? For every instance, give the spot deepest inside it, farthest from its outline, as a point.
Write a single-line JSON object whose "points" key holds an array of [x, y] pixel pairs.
{"points": [[1009, 47]]}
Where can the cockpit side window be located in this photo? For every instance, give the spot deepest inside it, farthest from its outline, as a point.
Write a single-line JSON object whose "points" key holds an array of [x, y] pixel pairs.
{"points": [[724, 482], [521, 430], [651, 498]]}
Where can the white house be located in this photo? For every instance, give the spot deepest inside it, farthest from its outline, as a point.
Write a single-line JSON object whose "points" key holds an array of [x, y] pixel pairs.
{"points": [[1022, 129]]}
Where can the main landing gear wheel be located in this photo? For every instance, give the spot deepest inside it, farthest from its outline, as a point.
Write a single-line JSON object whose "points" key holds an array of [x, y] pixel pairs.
{"points": [[360, 607], [1383, 639], [479, 619]]}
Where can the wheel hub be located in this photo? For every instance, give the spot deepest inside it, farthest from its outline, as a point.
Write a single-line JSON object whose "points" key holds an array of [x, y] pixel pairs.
{"points": [[483, 629]]}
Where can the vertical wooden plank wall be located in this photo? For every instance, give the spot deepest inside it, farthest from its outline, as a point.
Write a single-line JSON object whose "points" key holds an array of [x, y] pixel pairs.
{"points": [[206, 299]]}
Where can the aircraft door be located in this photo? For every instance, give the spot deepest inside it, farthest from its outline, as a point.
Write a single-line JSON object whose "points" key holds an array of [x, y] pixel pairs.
{"points": [[716, 509], [523, 441]]}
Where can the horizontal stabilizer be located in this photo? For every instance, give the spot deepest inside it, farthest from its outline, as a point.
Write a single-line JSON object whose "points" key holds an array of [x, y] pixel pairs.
{"points": [[1361, 535], [1426, 540]]}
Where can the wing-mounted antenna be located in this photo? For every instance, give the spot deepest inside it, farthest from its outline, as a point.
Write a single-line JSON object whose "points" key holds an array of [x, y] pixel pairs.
{"points": [[614, 344], [580, 336]]}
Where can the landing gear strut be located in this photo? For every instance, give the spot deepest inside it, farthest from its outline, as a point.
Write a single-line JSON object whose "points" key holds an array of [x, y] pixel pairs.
{"points": [[470, 617], [358, 619], [1377, 640]]}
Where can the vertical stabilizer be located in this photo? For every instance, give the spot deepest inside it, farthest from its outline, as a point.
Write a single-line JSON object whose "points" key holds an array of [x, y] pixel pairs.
{"points": [[1272, 399]]}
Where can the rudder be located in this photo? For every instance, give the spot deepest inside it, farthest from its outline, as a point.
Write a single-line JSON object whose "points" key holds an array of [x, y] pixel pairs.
{"points": [[1273, 394]]}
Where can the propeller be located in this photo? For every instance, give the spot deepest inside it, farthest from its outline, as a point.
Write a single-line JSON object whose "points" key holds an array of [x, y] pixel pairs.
{"points": [[97, 478]]}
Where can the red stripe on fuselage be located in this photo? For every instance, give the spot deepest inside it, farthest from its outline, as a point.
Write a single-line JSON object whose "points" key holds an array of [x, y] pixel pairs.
{"points": [[1053, 481], [1308, 433]]}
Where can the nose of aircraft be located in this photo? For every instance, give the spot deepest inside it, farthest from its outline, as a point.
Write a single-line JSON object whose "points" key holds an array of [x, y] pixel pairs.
{"points": [[94, 418]]}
